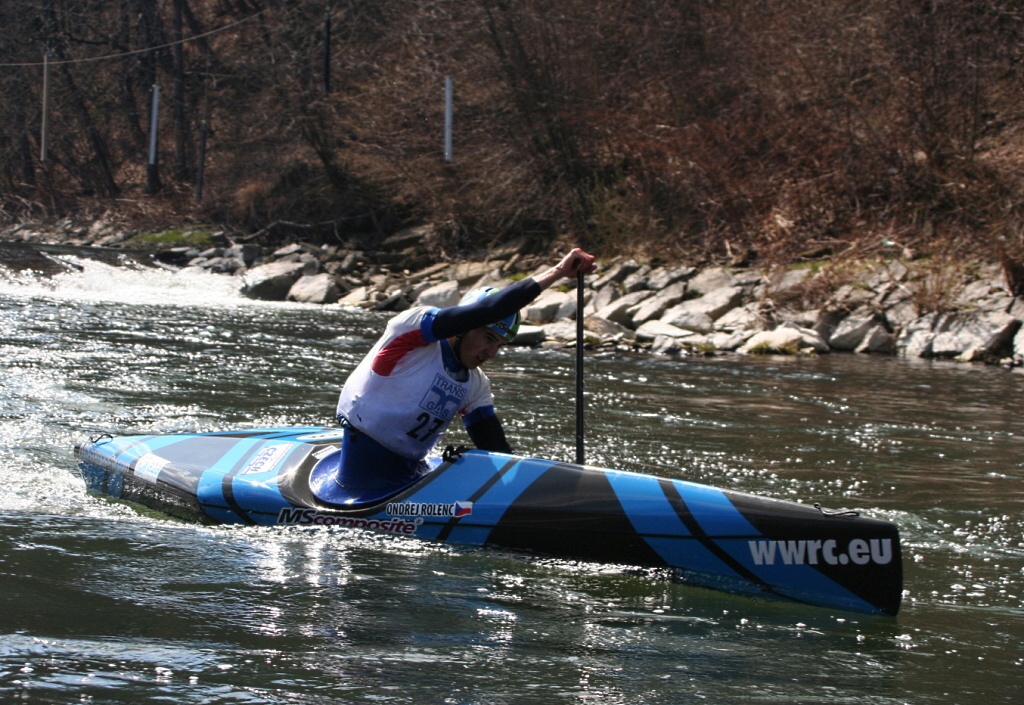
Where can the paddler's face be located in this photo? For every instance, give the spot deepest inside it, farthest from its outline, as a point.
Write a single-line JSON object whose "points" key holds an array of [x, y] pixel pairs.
{"points": [[478, 346]]}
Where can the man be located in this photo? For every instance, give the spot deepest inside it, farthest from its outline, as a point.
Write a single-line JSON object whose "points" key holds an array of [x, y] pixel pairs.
{"points": [[422, 373]]}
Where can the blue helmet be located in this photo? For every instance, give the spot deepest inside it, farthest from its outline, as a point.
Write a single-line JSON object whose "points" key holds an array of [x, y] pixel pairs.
{"points": [[507, 327]]}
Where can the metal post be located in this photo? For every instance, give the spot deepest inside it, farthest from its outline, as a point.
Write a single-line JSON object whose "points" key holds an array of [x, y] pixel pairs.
{"points": [[154, 110], [448, 118], [152, 173]]}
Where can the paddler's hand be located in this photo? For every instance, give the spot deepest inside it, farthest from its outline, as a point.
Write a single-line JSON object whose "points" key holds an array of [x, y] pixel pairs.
{"points": [[575, 263], [572, 265]]}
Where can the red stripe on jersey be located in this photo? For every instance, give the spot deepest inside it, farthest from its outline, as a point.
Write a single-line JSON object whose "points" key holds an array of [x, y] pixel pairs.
{"points": [[391, 354]]}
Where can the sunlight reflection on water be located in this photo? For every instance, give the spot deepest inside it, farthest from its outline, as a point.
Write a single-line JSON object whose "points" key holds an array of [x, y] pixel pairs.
{"points": [[103, 602]]}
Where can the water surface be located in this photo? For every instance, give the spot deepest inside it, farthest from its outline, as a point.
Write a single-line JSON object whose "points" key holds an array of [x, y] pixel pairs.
{"points": [[101, 602]]}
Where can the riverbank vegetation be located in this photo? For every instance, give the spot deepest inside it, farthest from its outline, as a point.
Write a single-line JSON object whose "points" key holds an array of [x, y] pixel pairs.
{"points": [[675, 129]]}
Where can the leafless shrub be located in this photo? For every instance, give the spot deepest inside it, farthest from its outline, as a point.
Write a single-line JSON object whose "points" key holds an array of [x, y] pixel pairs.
{"points": [[700, 130], [937, 285]]}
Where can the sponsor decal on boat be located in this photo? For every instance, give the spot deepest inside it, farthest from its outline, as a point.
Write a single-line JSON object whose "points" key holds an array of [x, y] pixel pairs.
{"points": [[809, 552], [149, 466], [265, 459], [453, 510], [307, 516]]}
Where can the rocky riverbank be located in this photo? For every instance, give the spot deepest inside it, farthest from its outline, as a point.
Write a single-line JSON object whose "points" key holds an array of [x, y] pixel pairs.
{"points": [[886, 304]]}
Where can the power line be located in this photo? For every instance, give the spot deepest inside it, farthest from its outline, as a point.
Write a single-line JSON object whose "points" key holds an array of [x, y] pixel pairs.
{"points": [[137, 51]]}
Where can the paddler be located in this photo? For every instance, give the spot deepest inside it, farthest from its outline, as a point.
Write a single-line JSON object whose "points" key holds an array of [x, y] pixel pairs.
{"points": [[423, 373]]}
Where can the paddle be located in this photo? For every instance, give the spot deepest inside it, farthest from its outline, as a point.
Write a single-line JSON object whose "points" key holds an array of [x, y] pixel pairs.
{"points": [[579, 368]]}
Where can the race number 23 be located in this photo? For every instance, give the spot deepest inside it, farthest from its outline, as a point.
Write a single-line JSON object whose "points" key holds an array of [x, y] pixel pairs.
{"points": [[426, 426]]}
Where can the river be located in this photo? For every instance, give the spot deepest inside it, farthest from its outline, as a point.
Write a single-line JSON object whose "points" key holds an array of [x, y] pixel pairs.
{"points": [[101, 602]]}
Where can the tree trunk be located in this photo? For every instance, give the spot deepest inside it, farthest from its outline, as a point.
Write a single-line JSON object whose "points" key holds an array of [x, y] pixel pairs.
{"points": [[179, 116]]}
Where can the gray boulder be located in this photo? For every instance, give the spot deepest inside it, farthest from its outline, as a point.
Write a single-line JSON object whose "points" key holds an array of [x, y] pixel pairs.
{"points": [[529, 335], [562, 331], [877, 340], [900, 311], [710, 279], [361, 296], [296, 248], [608, 331], [441, 295], [617, 273], [664, 277], [602, 297], [551, 305], [637, 281], [975, 336], [393, 300], [247, 254], [689, 318], [271, 282], [742, 318], [725, 340], [915, 339], [700, 314], [619, 309], [662, 300], [219, 265], [786, 339], [781, 282], [666, 345], [314, 289], [651, 330], [851, 331]]}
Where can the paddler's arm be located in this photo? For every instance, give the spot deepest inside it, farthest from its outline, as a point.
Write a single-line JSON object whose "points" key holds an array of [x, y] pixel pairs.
{"points": [[457, 320], [487, 433], [572, 265]]}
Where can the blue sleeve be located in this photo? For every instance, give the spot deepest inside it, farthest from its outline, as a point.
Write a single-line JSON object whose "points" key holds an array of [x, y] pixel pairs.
{"points": [[478, 414], [485, 430], [457, 320], [427, 324]]}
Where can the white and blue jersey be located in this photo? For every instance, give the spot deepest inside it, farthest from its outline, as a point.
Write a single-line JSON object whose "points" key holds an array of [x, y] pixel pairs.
{"points": [[401, 398], [404, 395]]}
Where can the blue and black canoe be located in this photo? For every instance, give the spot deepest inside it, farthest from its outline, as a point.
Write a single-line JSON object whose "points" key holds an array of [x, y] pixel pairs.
{"points": [[712, 537]]}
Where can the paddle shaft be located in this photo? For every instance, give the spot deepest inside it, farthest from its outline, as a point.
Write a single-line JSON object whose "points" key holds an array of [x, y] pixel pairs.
{"points": [[579, 368]]}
